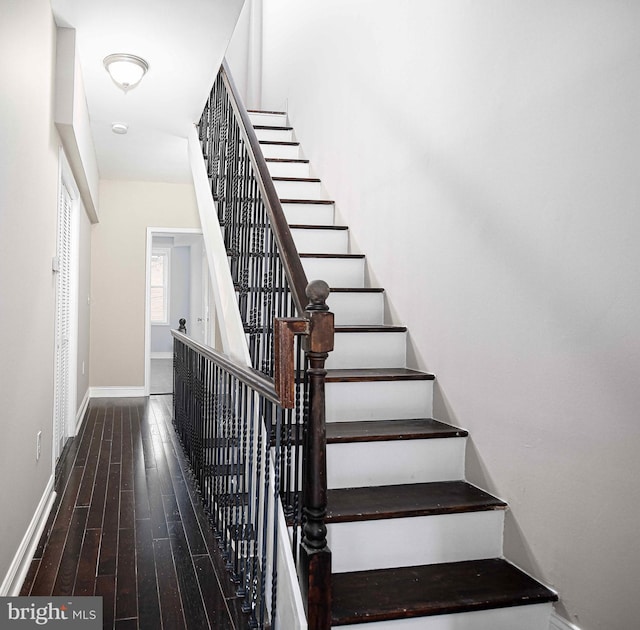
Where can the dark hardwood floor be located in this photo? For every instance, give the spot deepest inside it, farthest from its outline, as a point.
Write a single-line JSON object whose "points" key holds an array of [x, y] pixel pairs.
{"points": [[127, 525]]}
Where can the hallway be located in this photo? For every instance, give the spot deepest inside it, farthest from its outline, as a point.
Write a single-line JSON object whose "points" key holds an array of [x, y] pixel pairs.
{"points": [[127, 525]]}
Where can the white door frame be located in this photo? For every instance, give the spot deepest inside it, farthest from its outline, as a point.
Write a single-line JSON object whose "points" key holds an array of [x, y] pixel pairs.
{"points": [[151, 232], [66, 179]]}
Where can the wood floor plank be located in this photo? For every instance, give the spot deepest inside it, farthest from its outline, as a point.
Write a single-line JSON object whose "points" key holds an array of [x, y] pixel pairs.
{"points": [[126, 480], [164, 474], [116, 438], [171, 511], [109, 544], [127, 510], [147, 583], [66, 576], [170, 602], [98, 497], [91, 464], [106, 588], [141, 497], [87, 564], [190, 595], [156, 508], [149, 455], [108, 422], [85, 441], [126, 589]]}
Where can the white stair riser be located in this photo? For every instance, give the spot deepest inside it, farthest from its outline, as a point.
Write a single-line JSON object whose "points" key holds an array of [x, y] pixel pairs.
{"points": [[321, 241], [288, 169], [275, 135], [360, 464], [288, 151], [336, 272], [300, 190], [309, 213], [368, 350], [406, 542], [379, 400], [273, 120], [364, 309], [533, 617]]}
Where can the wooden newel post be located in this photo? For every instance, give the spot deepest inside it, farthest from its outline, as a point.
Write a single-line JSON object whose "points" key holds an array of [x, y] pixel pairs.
{"points": [[315, 555]]}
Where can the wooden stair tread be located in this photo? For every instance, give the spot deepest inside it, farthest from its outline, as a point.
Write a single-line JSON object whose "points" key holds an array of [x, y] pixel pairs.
{"points": [[274, 127], [280, 143], [305, 226], [356, 290], [332, 256], [376, 374], [434, 589], [312, 180], [387, 430], [266, 111], [287, 160], [370, 328], [320, 202], [407, 500]]}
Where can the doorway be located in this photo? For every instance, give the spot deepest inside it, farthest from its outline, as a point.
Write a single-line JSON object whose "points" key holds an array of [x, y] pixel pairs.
{"points": [[65, 266], [177, 289]]}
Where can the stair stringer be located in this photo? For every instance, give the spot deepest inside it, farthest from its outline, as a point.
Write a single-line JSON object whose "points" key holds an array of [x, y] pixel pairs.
{"points": [[234, 342]]}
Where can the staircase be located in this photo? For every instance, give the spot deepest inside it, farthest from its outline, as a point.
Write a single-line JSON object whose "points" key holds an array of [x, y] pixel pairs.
{"points": [[414, 545]]}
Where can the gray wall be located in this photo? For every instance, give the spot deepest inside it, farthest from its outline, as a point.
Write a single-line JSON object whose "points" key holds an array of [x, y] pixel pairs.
{"points": [[485, 155], [179, 302]]}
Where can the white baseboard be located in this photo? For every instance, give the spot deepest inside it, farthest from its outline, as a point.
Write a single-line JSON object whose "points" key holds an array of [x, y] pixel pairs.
{"points": [[117, 392], [81, 411], [18, 569], [162, 355], [558, 623]]}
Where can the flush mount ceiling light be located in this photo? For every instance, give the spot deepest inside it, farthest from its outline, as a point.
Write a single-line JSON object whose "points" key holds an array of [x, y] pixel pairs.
{"points": [[120, 128], [125, 70]]}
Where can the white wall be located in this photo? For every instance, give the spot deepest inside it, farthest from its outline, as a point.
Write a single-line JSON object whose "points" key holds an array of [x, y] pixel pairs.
{"points": [[118, 272], [244, 53], [84, 308], [28, 215], [197, 304], [486, 158], [72, 120]]}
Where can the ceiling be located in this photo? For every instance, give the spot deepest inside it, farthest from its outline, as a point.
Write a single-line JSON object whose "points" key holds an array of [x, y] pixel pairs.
{"points": [[184, 42]]}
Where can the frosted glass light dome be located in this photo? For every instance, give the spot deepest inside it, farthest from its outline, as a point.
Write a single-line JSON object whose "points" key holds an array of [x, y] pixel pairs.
{"points": [[125, 70]]}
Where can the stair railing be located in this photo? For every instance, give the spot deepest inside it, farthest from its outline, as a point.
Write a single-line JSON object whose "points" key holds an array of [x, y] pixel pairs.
{"points": [[265, 266], [255, 437]]}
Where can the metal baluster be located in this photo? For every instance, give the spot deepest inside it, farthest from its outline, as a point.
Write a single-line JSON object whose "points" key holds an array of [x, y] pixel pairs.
{"points": [[276, 478]]}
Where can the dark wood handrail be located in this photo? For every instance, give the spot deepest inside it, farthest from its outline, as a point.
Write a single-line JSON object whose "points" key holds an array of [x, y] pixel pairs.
{"points": [[258, 382], [288, 253]]}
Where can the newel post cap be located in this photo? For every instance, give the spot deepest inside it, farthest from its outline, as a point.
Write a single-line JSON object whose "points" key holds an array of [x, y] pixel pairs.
{"points": [[317, 292]]}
